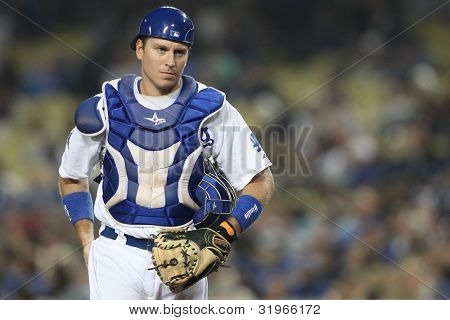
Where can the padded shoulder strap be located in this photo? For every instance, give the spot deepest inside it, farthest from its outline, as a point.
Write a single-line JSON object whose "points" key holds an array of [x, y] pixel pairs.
{"points": [[88, 119]]}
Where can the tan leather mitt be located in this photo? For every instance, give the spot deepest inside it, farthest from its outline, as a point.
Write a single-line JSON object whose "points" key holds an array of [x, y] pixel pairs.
{"points": [[181, 258]]}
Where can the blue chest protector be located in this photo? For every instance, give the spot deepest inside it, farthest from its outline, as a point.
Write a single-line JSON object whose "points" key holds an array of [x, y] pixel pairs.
{"points": [[153, 161]]}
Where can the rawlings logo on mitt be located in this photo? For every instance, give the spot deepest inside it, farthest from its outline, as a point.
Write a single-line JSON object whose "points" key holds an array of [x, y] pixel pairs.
{"points": [[181, 258]]}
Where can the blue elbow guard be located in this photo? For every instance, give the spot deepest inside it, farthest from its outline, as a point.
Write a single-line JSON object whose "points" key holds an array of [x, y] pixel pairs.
{"points": [[78, 206], [246, 211]]}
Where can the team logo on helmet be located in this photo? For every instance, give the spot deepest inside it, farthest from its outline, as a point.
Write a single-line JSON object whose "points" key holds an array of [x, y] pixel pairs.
{"points": [[175, 34]]}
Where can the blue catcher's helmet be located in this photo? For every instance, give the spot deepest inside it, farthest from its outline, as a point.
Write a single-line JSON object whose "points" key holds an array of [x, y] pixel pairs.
{"points": [[216, 196], [166, 23]]}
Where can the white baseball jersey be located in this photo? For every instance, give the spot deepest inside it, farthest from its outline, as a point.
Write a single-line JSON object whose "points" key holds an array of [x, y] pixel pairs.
{"points": [[233, 147]]}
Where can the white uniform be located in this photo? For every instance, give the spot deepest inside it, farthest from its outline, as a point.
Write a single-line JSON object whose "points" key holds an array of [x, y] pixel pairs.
{"points": [[119, 271]]}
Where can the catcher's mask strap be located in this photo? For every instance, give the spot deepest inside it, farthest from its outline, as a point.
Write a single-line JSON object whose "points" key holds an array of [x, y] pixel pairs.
{"points": [[218, 206]]}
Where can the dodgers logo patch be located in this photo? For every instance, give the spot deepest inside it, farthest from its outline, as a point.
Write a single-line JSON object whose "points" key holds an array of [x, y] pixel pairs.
{"points": [[205, 137]]}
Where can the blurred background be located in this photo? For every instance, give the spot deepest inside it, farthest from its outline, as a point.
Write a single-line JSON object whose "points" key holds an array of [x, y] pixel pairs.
{"points": [[378, 147]]}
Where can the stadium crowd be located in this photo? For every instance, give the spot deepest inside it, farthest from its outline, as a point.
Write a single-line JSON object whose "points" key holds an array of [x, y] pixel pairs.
{"points": [[362, 164]]}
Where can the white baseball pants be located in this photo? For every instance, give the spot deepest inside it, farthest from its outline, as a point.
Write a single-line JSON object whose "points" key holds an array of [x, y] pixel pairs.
{"points": [[120, 272]]}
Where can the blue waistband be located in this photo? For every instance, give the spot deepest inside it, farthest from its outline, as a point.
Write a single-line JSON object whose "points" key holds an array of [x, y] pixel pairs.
{"points": [[145, 244]]}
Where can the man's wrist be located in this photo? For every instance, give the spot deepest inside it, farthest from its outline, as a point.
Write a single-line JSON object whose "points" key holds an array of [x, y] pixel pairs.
{"points": [[227, 230], [78, 206], [85, 231], [246, 211]]}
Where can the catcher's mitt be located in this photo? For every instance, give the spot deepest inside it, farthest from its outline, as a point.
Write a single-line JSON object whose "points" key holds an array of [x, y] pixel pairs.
{"points": [[181, 258]]}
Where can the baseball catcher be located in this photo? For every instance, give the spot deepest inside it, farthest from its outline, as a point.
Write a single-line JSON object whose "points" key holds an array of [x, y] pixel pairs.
{"points": [[164, 205]]}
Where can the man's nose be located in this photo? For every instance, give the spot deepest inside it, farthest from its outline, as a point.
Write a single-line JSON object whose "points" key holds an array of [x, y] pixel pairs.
{"points": [[170, 59]]}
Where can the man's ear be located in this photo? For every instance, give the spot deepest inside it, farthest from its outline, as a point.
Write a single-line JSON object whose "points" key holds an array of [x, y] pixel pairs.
{"points": [[139, 49]]}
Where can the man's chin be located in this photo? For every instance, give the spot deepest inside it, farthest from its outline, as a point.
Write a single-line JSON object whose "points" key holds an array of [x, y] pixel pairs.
{"points": [[167, 84]]}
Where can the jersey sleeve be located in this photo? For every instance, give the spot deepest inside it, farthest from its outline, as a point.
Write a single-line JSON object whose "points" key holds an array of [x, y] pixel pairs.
{"points": [[82, 153], [235, 148]]}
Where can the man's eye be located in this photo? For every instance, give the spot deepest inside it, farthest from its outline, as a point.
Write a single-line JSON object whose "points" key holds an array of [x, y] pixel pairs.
{"points": [[161, 50]]}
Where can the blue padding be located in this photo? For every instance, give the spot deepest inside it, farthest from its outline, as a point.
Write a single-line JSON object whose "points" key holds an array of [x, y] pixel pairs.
{"points": [[188, 129], [210, 188], [194, 180], [218, 206], [247, 210], [121, 128], [132, 191], [132, 170], [112, 98], [171, 193], [110, 177], [126, 154], [157, 221], [179, 214], [188, 145], [87, 118], [174, 172], [140, 114], [130, 213], [193, 115], [214, 200], [78, 206], [116, 141], [119, 114], [154, 141], [213, 218], [127, 123], [125, 88], [124, 211], [114, 102], [208, 95]]}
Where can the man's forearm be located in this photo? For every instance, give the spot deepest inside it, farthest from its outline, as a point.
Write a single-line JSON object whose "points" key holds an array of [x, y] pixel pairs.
{"points": [[85, 231], [84, 227], [68, 186], [261, 187]]}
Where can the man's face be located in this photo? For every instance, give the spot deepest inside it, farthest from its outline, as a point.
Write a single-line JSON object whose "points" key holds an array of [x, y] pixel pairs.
{"points": [[163, 63]]}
